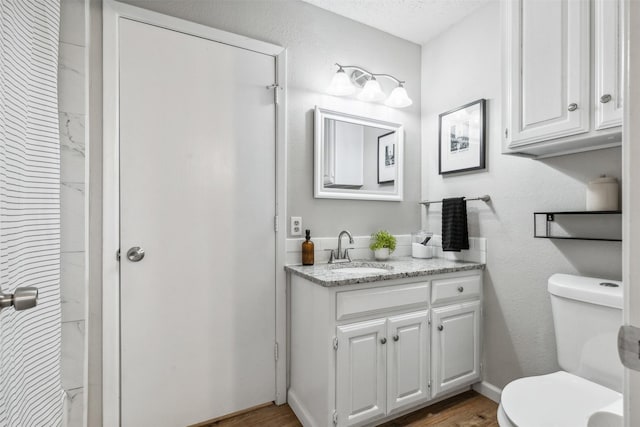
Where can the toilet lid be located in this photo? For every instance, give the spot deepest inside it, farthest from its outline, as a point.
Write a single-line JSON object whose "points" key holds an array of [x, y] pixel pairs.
{"points": [[560, 399]]}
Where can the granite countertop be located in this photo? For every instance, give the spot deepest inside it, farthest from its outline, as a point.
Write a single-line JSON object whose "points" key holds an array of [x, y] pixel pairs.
{"points": [[329, 275]]}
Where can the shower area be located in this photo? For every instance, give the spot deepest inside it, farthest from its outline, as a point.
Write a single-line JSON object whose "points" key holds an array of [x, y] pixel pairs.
{"points": [[42, 211]]}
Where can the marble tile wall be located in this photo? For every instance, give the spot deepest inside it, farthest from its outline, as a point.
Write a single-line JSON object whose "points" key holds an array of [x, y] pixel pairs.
{"points": [[71, 107]]}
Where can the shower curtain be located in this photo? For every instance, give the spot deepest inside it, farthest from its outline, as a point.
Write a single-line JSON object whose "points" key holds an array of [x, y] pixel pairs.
{"points": [[30, 389]]}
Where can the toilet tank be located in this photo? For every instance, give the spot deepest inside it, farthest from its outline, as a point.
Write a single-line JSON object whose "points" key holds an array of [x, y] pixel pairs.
{"points": [[587, 313]]}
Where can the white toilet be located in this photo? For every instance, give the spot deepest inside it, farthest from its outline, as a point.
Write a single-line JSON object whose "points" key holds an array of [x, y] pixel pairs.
{"points": [[587, 313]]}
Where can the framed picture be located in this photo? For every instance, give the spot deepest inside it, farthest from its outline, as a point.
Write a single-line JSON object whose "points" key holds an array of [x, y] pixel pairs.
{"points": [[462, 138], [387, 158]]}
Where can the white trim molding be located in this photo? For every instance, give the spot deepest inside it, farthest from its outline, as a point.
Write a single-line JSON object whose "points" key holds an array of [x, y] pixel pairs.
{"points": [[112, 12], [488, 390]]}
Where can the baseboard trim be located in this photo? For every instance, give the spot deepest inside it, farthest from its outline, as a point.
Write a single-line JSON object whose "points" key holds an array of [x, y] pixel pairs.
{"points": [[298, 409], [488, 390]]}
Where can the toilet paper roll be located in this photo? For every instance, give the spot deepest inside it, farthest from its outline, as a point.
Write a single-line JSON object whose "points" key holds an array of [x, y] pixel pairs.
{"points": [[602, 194], [609, 416]]}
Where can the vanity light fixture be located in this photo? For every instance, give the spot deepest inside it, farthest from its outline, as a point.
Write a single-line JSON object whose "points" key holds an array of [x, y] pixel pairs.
{"points": [[341, 84], [398, 98], [371, 92], [344, 85]]}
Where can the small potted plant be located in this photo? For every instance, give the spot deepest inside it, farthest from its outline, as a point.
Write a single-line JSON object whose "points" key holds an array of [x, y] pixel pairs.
{"points": [[382, 244]]}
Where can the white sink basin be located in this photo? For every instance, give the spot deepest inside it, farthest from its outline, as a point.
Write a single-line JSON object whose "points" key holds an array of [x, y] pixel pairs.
{"points": [[361, 270]]}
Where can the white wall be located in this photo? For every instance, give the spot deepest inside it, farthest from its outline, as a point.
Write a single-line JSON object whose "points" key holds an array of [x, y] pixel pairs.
{"points": [[462, 65], [315, 40]]}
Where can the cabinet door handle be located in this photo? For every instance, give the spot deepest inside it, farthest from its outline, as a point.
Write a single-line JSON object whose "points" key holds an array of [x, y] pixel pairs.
{"points": [[440, 327], [572, 107], [460, 289], [396, 337], [605, 98], [383, 340]]}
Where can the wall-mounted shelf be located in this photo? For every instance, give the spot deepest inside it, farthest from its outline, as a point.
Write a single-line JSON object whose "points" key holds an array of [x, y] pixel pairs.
{"points": [[578, 225]]}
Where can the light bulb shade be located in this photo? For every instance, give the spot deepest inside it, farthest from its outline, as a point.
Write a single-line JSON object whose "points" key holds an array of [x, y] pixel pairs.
{"points": [[341, 85], [398, 98], [371, 91]]}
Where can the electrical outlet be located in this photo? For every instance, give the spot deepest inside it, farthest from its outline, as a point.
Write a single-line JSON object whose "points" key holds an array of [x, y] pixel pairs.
{"points": [[296, 226]]}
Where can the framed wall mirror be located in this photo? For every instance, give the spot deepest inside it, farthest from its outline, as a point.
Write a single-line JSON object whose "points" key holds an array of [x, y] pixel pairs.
{"points": [[357, 157]]}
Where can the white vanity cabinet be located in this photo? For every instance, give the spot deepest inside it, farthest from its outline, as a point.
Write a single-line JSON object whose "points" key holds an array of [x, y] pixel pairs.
{"points": [[381, 366], [455, 343], [563, 76], [365, 353], [455, 346]]}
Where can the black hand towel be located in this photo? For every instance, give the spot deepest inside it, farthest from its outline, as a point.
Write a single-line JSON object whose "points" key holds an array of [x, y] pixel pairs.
{"points": [[455, 235]]}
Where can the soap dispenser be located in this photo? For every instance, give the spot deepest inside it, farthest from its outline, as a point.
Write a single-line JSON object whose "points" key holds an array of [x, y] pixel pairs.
{"points": [[307, 249]]}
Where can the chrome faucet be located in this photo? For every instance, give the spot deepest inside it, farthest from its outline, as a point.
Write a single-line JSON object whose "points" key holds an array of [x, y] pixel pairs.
{"points": [[341, 256]]}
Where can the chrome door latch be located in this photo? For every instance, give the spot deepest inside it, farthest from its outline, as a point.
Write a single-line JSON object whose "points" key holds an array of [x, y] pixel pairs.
{"points": [[629, 346], [135, 254], [22, 299]]}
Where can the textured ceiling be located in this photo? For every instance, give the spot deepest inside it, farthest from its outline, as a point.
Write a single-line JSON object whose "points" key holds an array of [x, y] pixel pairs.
{"points": [[414, 20]]}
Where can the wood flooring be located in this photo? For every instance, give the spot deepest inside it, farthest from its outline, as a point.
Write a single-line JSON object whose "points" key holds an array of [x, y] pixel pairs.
{"points": [[468, 409]]}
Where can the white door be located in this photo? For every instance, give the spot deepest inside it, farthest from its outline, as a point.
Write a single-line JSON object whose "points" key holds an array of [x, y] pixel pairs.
{"points": [[361, 372], [197, 194], [548, 69], [407, 359], [456, 346], [608, 79]]}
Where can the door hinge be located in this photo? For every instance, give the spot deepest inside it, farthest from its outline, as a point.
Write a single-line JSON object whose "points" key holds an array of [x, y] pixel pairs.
{"points": [[275, 351], [276, 90], [118, 255], [481, 367], [335, 418], [506, 134], [335, 343], [429, 384], [275, 223], [429, 319]]}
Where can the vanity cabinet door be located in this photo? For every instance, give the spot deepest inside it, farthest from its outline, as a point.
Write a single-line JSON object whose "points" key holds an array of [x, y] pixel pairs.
{"points": [[607, 38], [548, 69], [455, 346], [407, 359], [361, 372]]}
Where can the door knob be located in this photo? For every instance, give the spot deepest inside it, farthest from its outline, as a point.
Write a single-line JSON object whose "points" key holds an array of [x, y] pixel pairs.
{"points": [[460, 289], [440, 327], [605, 98], [396, 337], [383, 340], [22, 299], [135, 254], [572, 107]]}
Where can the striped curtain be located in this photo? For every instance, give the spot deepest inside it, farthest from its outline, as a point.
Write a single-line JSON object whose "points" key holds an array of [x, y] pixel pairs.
{"points": [[30, 389]]}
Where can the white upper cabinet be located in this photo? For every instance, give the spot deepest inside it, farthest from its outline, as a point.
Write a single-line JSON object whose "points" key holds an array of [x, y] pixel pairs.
{"points": [[607, 44], [550, 63], [552, 49]]}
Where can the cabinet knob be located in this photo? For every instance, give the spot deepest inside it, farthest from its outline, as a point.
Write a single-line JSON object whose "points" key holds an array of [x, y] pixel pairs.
{"points": [[440, 327], [572, 107], [396, 337], [383, 340], [460, 289], [605, 98]]}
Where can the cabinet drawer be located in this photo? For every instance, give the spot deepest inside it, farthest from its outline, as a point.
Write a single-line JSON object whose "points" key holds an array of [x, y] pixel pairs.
{"points": [[367, 301], [455, 289]]}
